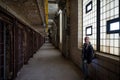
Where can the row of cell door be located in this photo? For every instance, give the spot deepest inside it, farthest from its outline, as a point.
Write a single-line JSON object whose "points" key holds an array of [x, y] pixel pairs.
{"points": [[18, 43], [11, 50]]}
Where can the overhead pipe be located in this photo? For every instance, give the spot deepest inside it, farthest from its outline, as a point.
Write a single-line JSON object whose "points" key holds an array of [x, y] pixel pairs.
{"points": [[46, 14]]}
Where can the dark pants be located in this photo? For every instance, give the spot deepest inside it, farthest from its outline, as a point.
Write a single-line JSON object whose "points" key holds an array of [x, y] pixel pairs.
{"points": [[85, 69]]}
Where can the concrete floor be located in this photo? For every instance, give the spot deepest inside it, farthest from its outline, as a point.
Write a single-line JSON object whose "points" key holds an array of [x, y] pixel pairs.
{"points": [[48, 64]]}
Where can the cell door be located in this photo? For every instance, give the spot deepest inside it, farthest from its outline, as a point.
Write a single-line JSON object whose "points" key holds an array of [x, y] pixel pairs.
{"points": [[6, 52], [20, 48], [9, 50], [1, 51]]}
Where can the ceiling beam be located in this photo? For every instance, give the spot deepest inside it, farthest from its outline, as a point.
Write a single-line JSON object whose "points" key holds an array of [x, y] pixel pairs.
{"points": [[41, 11], [52, 2]]}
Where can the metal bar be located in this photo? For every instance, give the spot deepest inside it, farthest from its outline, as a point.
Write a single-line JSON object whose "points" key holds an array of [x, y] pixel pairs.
{"points": [[4, 26], [46, 14], [119, 36], [98, 25]]}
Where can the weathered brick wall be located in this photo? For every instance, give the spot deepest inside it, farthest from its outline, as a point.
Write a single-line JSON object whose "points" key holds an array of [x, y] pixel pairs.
{"points": [[75, 54]]}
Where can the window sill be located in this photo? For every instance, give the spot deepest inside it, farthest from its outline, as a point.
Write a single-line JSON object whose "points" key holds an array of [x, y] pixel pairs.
{"points": [[116, 58]]}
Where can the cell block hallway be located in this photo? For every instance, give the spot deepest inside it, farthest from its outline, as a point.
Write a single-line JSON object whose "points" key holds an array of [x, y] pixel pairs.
{"points": [[59, 39], [48, 64]]}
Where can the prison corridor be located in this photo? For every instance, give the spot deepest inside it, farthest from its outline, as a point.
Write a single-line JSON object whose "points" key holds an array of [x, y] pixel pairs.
{"points": [[48, 64], [44, 39]]}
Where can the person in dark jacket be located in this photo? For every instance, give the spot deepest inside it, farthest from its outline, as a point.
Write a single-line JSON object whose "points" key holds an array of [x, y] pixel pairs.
{"points": [[87, 55]]}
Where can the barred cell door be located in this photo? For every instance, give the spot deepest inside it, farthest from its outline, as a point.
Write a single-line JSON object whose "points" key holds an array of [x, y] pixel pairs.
{"points": [[9, 51], [20, 47], [2, 51], [6, 51]]}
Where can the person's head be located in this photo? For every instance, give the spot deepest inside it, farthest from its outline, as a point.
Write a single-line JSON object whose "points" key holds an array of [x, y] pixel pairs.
{"points": [[86, 40]]}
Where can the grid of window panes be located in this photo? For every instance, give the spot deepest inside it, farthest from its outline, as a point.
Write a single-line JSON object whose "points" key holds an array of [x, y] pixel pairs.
{"points": [[89, 19], [109, 43]]}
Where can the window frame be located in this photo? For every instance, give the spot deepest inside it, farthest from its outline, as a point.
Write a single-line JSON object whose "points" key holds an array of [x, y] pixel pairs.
{"points": [[108, 26], [87, 29], [90, 3]]}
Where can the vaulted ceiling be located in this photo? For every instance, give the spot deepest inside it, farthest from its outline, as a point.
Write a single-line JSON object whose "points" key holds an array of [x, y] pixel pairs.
{"points": [[29, 10], [52, 10], [33, 11]]}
